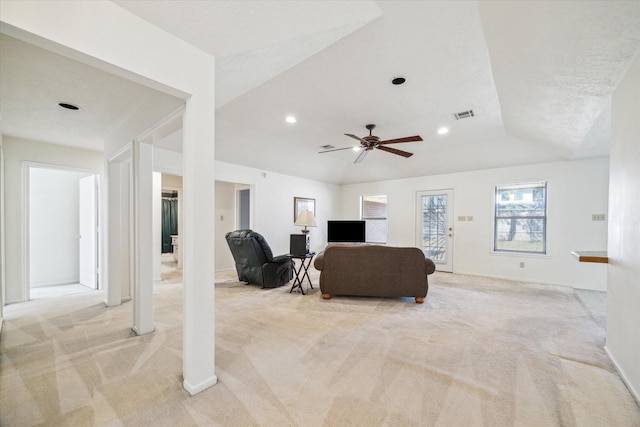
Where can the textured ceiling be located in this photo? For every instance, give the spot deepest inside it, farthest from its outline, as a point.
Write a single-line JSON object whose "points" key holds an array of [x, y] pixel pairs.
{"points": [[34, 80], [538, 75], [556, 64]]}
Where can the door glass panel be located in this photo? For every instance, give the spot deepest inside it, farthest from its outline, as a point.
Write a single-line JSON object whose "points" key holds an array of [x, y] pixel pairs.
{"points": [[434, 227]]}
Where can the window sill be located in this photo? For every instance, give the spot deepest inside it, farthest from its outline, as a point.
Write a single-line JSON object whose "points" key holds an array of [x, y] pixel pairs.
{"points": [[521, 254]]}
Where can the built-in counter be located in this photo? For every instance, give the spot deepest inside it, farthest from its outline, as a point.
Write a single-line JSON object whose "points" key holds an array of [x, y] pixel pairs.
{"points": [[591, 256]]}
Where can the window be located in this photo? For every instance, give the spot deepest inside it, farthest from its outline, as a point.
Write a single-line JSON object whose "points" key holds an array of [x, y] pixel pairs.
{"points": [[521, 218], [374, 213]]}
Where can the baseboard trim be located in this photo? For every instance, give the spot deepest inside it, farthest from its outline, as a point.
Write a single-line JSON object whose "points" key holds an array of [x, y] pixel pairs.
{"points": [[622, 374], [195, 389], [514, 279]]}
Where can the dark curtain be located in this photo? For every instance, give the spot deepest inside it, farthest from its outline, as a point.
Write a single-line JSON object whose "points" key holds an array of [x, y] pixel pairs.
{"points": [[169, 223]]}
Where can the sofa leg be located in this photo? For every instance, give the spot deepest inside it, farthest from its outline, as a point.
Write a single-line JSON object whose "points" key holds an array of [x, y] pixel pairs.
{"points": [[326, 296], [419, 300]]}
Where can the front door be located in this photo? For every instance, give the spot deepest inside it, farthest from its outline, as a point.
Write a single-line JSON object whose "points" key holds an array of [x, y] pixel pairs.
{"points": [[434, 226]]}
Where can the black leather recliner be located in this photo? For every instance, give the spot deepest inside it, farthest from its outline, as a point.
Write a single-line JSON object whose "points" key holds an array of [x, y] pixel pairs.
{"points": [[255, 262]]}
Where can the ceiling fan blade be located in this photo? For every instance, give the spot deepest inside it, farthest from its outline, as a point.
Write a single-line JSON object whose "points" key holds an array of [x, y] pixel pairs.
{"points": [[364, 141], [398, 140], [336, 149], [395, 151], [362, 155]]}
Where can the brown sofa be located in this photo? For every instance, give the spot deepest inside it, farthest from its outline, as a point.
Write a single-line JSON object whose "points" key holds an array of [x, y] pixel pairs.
{"points": [[373, 270]]}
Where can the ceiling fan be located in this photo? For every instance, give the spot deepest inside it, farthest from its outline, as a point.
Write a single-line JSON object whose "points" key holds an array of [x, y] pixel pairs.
{"points": [[369, 142]]}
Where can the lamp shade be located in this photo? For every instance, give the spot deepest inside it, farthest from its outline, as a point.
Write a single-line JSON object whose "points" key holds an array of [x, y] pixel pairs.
{"points": [[306, 219]]}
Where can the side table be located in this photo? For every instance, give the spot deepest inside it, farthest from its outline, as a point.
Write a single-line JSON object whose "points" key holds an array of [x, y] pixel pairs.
{"points": [[301, 271]]}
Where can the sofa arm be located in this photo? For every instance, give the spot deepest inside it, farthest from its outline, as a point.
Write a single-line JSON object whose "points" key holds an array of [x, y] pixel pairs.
{"points": [[318, 262], [281, 258], [429, 266]]}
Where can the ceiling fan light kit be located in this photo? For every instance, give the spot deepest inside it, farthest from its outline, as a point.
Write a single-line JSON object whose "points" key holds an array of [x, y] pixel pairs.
{"points": [[369, 142]]}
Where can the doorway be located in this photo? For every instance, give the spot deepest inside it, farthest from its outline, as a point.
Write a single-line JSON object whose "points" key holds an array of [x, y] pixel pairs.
{"points": [[244, 209], [61, 218], [434, 227]]}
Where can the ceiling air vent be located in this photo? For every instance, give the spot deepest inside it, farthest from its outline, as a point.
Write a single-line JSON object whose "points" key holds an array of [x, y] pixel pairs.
{"points": [[327, 147], [463, 115]]}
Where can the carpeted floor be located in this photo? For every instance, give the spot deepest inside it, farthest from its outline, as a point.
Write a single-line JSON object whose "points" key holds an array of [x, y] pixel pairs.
{"points": [[478, 352]]}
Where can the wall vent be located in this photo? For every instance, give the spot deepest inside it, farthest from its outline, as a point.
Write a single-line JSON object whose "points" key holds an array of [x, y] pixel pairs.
{"points": [[463, 115], [327, 147]]}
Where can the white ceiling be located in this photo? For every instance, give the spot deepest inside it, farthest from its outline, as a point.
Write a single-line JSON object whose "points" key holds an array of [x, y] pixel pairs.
{"points": [[538, 76], [34, 80]]}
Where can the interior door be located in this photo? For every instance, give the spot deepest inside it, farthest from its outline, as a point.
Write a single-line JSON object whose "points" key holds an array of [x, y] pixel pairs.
{"points": [[434, 226], [87, 237]]}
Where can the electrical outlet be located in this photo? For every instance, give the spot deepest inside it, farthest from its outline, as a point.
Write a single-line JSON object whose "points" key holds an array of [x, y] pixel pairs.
{"points": [[462, 218], [521, 264], [598, 217], [469, 217]]}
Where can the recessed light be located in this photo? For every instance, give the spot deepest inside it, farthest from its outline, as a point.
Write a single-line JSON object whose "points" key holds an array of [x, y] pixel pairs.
{"points": [[398, 80], [68, 106], [290, 119], [443, 131]]}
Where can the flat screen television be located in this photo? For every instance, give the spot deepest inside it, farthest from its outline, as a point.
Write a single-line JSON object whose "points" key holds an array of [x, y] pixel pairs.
{"points": [[346, 231]]}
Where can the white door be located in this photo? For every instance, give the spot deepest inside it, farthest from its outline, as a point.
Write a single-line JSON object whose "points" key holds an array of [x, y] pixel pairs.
{"points": [[434, 226], [88, 237]]}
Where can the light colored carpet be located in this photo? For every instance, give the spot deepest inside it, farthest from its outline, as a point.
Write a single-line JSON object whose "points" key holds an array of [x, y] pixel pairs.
{"points": [[478, 352]]}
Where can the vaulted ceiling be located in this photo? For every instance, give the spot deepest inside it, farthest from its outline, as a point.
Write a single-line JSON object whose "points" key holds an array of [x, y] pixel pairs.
{"points": [[537, 75]]}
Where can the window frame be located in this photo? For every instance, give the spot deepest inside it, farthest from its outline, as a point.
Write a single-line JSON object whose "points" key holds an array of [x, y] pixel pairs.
{"points": [[544, 218]]}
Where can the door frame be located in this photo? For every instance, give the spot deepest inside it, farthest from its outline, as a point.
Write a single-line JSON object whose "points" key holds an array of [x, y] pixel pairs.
{"points": [[26, 220], [95, 230], [449, 192]]}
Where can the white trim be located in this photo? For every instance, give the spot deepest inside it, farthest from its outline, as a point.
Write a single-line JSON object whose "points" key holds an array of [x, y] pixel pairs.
{"points": [[25, 264], [122, 155], [635, 393], [3, 279], [159, 125], [520, 254], [203, 385], [520, 279]]}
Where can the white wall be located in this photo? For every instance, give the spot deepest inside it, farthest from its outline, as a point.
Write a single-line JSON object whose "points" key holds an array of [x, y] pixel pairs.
{"points": [[272, 195], [623, 296], [16, 152], [225, 222], [576, 190], [54, 205]]}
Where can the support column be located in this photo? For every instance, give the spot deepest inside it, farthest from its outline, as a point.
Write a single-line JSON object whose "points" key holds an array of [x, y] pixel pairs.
{"points": [[113, 287], [197, 241], [143, 238]]}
